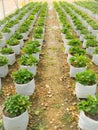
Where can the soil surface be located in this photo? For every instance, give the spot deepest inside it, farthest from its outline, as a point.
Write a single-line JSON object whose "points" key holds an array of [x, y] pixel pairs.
{"points": [[54, 101]]}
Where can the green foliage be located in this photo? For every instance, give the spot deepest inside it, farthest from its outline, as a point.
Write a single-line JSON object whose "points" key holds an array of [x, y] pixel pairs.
{"points": [[84, 31], [23, 29], [38, 36], [39, 30], [16, 104], [30, 49], [89, 36], [96, 50], [90, 105], [12, 41], [6, 30], [6, 50], [22, 76], [3, 61], [31, 17], [69, 36], [34, 42], [76, 51], [64, 30], [74, 42], [17, 35], [87, 77], [91, 43], [79, 61], [28, 60]]}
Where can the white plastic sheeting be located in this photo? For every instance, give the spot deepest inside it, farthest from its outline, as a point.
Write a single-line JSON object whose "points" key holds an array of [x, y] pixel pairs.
{"points": [[9, 6]]}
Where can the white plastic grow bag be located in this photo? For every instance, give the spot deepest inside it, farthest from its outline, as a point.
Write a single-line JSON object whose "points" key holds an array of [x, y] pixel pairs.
{"points": [[17, 123], [25, 36], [36, 55], [2, 42], [90, 50], [6, 35], [16, 48], [67, 48], [25, 89], [84, 43], [81, 37], [83, 91], [95, 59], [3, 70], [11, 58], [74, 70], [86, 123], [21, 43], [69, 56]]}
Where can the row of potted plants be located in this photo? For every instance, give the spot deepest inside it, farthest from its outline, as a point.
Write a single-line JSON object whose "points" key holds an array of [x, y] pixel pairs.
{"points": [[2, 38], [13, 47], [15, 108], [86, 82], [39, 31], [20, 12], [13, 25], [89, 23], [89, 41], [88, 7]]}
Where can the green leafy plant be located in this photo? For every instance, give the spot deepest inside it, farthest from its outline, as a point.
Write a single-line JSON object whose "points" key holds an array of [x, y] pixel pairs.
{"points": [[96, 50], [10, 24], [23, 29], [6, 30], [37, 36], [28, 60], [31, 17], [3, 61], [89, 106], [91, 43], [30, 49], [79, 61], [69, 36], [22, 76], [34, 42], [89, 36], [74, 42], [39, 30], [87, 77], [84, 31], [6, 50], [76, 51], [17, 35], [15, 105], [12, 41], [64, 30]]}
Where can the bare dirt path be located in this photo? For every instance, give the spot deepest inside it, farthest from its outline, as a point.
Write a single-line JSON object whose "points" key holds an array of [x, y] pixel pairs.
{"points": [[54, 92]]}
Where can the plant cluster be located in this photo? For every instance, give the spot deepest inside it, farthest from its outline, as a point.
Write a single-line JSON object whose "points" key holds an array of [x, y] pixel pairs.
{"points": [[87, 77], [15, 105], [22, 76]]}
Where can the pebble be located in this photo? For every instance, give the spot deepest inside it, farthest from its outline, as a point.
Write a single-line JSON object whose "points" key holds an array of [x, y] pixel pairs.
{"points": [[47, 86]]}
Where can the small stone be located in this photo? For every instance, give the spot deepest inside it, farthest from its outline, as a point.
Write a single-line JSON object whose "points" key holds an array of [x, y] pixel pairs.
{"points": [[42, 104], [51, 122], [47, 86], [49, 92], [50, 96]]}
